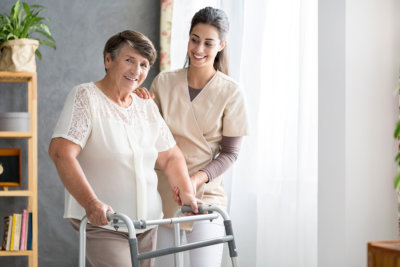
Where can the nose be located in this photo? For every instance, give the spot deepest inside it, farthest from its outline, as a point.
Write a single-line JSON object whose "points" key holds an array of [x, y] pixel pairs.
{"points": [[199, 48], [135, 69]]}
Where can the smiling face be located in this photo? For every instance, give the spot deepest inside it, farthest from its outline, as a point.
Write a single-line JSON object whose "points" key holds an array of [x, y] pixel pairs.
{"points": [[203, 46], [128, 70]]}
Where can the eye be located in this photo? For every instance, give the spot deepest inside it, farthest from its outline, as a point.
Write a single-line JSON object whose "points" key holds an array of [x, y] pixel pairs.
{"points": [[194, 40], [144, 65], [209, 44], [128, 60]]}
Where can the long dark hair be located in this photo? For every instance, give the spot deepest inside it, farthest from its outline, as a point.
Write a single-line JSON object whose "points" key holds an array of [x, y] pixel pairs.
{"points": [[217, 18]]}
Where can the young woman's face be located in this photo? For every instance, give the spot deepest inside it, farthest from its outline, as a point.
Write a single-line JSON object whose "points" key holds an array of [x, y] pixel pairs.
{"points": [[129, 69], [204, 44]]}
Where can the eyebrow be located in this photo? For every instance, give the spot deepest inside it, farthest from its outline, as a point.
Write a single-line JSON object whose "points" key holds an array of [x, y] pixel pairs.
{"points": [[208, 39], [131, 56]]}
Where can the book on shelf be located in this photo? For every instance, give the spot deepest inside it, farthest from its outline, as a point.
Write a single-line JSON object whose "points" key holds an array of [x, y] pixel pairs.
{"points": [[10, 218], [29, 245], [23, 230], [26, 228], [14, 219], [5, 236], [17, 231]]}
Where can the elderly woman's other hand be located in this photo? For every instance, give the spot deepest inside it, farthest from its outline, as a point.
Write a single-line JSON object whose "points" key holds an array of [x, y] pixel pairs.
{"points": [[96, 211], [177, 198], [190, 200]]}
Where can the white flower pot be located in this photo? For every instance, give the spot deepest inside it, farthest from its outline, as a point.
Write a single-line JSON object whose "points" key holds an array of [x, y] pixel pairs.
{"points": [[18, 55]]}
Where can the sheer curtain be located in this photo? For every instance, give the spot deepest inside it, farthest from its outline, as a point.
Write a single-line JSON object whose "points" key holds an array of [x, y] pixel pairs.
{"points": [[273, 185]]}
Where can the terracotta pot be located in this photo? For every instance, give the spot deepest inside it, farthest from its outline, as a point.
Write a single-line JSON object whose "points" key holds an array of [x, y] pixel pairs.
{"points": [[18, 55]]}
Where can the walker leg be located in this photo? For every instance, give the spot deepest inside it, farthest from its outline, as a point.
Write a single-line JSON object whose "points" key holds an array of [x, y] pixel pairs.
{"points": [[177, 236], [231, 244], [235, 262], [133, 244], [82, 242]]}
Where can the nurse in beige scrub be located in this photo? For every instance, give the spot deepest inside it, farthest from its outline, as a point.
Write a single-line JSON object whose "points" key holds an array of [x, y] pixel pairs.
{"points": [[205, 110]]}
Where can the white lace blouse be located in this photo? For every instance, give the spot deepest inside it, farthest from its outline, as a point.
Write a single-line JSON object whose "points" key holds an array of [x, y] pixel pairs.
{"points": [[119, 150]]}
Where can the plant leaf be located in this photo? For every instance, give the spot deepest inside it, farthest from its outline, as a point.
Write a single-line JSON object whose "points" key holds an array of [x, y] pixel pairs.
{"points": [[44, 42], [38, 54], [397, 130], [14, 11], [397, 159], [47, 35], [397, 181], [27, 10]]}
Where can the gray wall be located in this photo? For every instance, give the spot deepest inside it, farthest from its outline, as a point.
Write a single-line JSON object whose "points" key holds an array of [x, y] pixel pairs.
{"points": [[80, 28]]}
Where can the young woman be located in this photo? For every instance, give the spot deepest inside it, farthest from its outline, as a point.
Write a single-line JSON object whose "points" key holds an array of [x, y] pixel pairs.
{"points": [[205, 110]]}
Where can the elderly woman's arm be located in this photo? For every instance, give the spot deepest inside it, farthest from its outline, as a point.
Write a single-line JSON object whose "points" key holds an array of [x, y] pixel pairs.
{"points": [[173, 163], [64, 155]]}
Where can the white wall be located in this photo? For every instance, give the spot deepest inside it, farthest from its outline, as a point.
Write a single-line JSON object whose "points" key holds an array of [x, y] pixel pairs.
{"points": [[372, 66], [359, 63]]}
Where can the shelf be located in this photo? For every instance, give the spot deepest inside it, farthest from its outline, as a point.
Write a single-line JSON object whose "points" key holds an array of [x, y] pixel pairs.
{"points": [[16, 76], [31, 192], [4, 134], [16, 253], [16, 193]]}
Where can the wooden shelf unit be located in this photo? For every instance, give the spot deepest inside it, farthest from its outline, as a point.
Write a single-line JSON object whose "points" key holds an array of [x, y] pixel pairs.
{"points": [[31, 192]]}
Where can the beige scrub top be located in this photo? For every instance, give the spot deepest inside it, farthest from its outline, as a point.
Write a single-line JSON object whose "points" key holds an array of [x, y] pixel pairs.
{"points": [[198, 126]]}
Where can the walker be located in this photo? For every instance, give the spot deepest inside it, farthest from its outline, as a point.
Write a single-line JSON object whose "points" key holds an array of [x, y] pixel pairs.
{"points": [[118, 220]]}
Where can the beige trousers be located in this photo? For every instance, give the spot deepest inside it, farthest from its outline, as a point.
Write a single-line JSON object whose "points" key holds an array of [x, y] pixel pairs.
{"points": [[108, 248]]}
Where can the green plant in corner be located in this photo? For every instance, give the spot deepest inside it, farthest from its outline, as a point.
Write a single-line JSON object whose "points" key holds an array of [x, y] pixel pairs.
{"points": [[26, 23], [397, 159], [396, 136]]}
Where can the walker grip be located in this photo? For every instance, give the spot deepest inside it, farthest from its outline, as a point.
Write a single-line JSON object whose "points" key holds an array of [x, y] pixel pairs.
{"points": [[187, 208]]}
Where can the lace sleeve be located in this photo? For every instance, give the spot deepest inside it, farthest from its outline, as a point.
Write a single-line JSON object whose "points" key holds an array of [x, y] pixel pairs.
{"points": [[75, 123]]}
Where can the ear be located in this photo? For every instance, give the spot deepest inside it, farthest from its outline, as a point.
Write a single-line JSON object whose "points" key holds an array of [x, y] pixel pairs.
{"points": [[222, 46], [107, 60]]}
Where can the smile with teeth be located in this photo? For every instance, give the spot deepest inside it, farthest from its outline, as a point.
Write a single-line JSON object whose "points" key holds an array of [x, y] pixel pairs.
{"points": [[132, 79], [198, 57]]}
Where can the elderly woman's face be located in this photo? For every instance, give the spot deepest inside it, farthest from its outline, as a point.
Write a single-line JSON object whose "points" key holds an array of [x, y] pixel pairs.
{"points": [[129, 69]]}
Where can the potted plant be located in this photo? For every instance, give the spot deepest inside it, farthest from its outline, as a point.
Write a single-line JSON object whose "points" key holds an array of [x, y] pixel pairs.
{"points": [[21, 32], [397, 159]]}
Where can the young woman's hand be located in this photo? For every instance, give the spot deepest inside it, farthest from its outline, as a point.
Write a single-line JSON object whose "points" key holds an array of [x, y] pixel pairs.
{"points": [[198, 179], [175, 195], [142, 92]]}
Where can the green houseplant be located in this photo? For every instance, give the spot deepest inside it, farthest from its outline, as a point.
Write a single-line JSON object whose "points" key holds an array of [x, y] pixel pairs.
{"points": [[397, 159], [396, 136], [21, 32]]}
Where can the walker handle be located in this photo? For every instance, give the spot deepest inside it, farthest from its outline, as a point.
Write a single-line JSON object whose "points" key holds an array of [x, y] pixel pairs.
{"points": [[109, 215], [187, 208]]}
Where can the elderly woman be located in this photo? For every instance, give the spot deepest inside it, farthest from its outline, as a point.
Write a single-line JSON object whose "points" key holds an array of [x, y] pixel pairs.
{"points": [[105, 146]]}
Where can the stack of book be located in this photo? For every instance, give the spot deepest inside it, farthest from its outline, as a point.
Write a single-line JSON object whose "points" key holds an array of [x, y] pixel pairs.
{"points": [[17, 232]]}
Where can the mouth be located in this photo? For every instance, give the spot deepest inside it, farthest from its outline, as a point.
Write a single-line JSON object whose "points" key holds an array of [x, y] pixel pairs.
{"points": [[131, 79], [198, 57]]}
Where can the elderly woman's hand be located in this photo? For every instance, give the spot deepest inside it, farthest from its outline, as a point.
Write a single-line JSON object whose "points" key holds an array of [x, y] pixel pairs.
{"points": [[177, 198], [142, 92], [96, 212], [190, 200]]}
